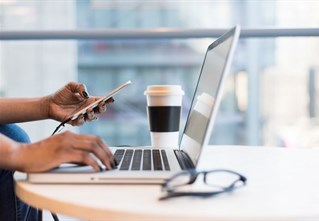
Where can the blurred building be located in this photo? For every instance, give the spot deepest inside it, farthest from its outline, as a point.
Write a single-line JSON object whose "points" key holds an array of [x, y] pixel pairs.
{"points": [[270, 95], [104, 64]]}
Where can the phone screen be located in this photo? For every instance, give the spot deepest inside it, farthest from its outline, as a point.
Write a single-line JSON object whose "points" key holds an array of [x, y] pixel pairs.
{"points": [[104, 98]]}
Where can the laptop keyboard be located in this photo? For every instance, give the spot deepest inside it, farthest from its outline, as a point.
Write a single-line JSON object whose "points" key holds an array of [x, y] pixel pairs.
{"points": [[142, 159]]}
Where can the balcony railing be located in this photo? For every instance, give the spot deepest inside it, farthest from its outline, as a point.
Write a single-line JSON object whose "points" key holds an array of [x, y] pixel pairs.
{"points": [[159, 33]]}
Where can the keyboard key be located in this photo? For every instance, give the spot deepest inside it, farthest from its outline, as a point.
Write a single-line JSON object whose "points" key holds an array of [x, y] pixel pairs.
{"points": [[157, 164], [118, 155], [165, 160], [127, 160], [155, 157], [147, 161], [136, 165]]}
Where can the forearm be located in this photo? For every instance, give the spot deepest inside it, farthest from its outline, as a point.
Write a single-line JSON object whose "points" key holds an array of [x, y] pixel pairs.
{"points": [[8, 149], [16, 110]]}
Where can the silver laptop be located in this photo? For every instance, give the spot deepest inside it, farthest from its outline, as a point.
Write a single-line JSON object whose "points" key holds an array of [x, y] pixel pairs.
{"points": [[154, 165]]}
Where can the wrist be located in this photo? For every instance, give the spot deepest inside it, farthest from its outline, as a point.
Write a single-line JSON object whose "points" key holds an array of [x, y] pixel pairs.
{"points": [[12, 155], [24, 156], [45, 107], [18, 156]]}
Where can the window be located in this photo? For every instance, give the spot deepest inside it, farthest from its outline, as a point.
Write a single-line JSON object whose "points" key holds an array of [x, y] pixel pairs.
{"points": [[271, 93]]}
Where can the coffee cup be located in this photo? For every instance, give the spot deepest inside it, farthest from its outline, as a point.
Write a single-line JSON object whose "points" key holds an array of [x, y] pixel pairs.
{"points": [[164, 108]]}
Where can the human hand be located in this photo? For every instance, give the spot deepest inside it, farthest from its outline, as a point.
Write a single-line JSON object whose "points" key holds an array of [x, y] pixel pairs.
{"points": [[70, 99], [66, 147]]}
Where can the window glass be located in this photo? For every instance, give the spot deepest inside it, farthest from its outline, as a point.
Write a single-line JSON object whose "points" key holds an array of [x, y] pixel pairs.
{"points": [[271, 95], [96, 14]]}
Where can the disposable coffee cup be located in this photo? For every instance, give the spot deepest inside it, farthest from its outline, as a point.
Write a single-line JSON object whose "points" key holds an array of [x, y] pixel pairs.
{"points": [[164, 108]]}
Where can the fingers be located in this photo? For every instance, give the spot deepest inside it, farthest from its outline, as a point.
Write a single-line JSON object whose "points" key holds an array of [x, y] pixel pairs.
{"points": [[91, 113], [87, 149], [85, 158], [82, 119], [110, 100], [79, 88], [78, 121], [95, 145], [102, 106]]}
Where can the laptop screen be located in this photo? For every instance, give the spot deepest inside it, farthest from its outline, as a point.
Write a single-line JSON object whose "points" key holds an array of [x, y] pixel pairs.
{"points": [[207, 95]]}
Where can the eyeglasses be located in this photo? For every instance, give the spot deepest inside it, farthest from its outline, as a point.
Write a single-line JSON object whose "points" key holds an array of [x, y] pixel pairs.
{"points": [[214, 182]]}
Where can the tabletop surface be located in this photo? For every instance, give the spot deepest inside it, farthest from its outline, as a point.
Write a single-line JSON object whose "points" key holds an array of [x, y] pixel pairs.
{"points": [[283, 184]]}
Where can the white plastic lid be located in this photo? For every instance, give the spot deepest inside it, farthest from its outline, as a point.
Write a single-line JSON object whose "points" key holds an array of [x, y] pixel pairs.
{"points": [[160, 90]]}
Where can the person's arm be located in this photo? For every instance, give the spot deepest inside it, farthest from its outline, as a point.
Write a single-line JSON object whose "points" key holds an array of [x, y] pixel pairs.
{"points": [[16, 110], [65, 147], [58, 106], [61, 148]]}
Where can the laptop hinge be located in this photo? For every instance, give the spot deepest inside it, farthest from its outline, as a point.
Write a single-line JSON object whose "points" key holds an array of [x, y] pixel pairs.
{"points": [[184, 160]]}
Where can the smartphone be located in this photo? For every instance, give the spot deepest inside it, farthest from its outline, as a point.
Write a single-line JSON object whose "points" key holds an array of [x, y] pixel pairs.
{"points": [[102, 99]]}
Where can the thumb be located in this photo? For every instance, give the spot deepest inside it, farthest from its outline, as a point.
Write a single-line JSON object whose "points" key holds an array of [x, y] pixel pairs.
{"points": [[79, 88]]}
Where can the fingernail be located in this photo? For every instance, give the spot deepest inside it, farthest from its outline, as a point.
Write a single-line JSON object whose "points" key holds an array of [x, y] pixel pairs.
{"points": [[114, 165], [111, 100], [81, 120], [91, 115], [102, 108], [85, 94]]}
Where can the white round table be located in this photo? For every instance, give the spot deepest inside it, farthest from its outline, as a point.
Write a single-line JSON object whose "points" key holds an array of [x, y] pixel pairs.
{"points": [[283, 184]]}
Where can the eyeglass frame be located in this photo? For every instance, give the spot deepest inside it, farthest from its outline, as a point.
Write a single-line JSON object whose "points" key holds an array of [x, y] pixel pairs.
{"points": [[193, 172]]}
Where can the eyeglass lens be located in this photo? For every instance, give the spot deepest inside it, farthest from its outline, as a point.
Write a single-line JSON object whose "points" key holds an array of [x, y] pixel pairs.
{"points": [[182, 179], [220, 178]]}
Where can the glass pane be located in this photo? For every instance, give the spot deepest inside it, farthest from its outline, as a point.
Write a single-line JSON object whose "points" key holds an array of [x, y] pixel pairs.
{"points": [[36, 68], [103, 65], [37, 15], [97, 14], [270, 97]]}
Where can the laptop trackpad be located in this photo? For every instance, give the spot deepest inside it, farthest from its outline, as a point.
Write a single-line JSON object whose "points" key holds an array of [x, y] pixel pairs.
{"points": [[73, 168]]}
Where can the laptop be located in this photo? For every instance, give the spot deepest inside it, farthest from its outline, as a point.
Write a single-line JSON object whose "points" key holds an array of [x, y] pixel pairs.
{"points": [[146, 165]]}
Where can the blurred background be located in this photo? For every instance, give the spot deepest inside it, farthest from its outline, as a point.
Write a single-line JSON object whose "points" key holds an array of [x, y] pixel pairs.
{"points": [[271, 95]]}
